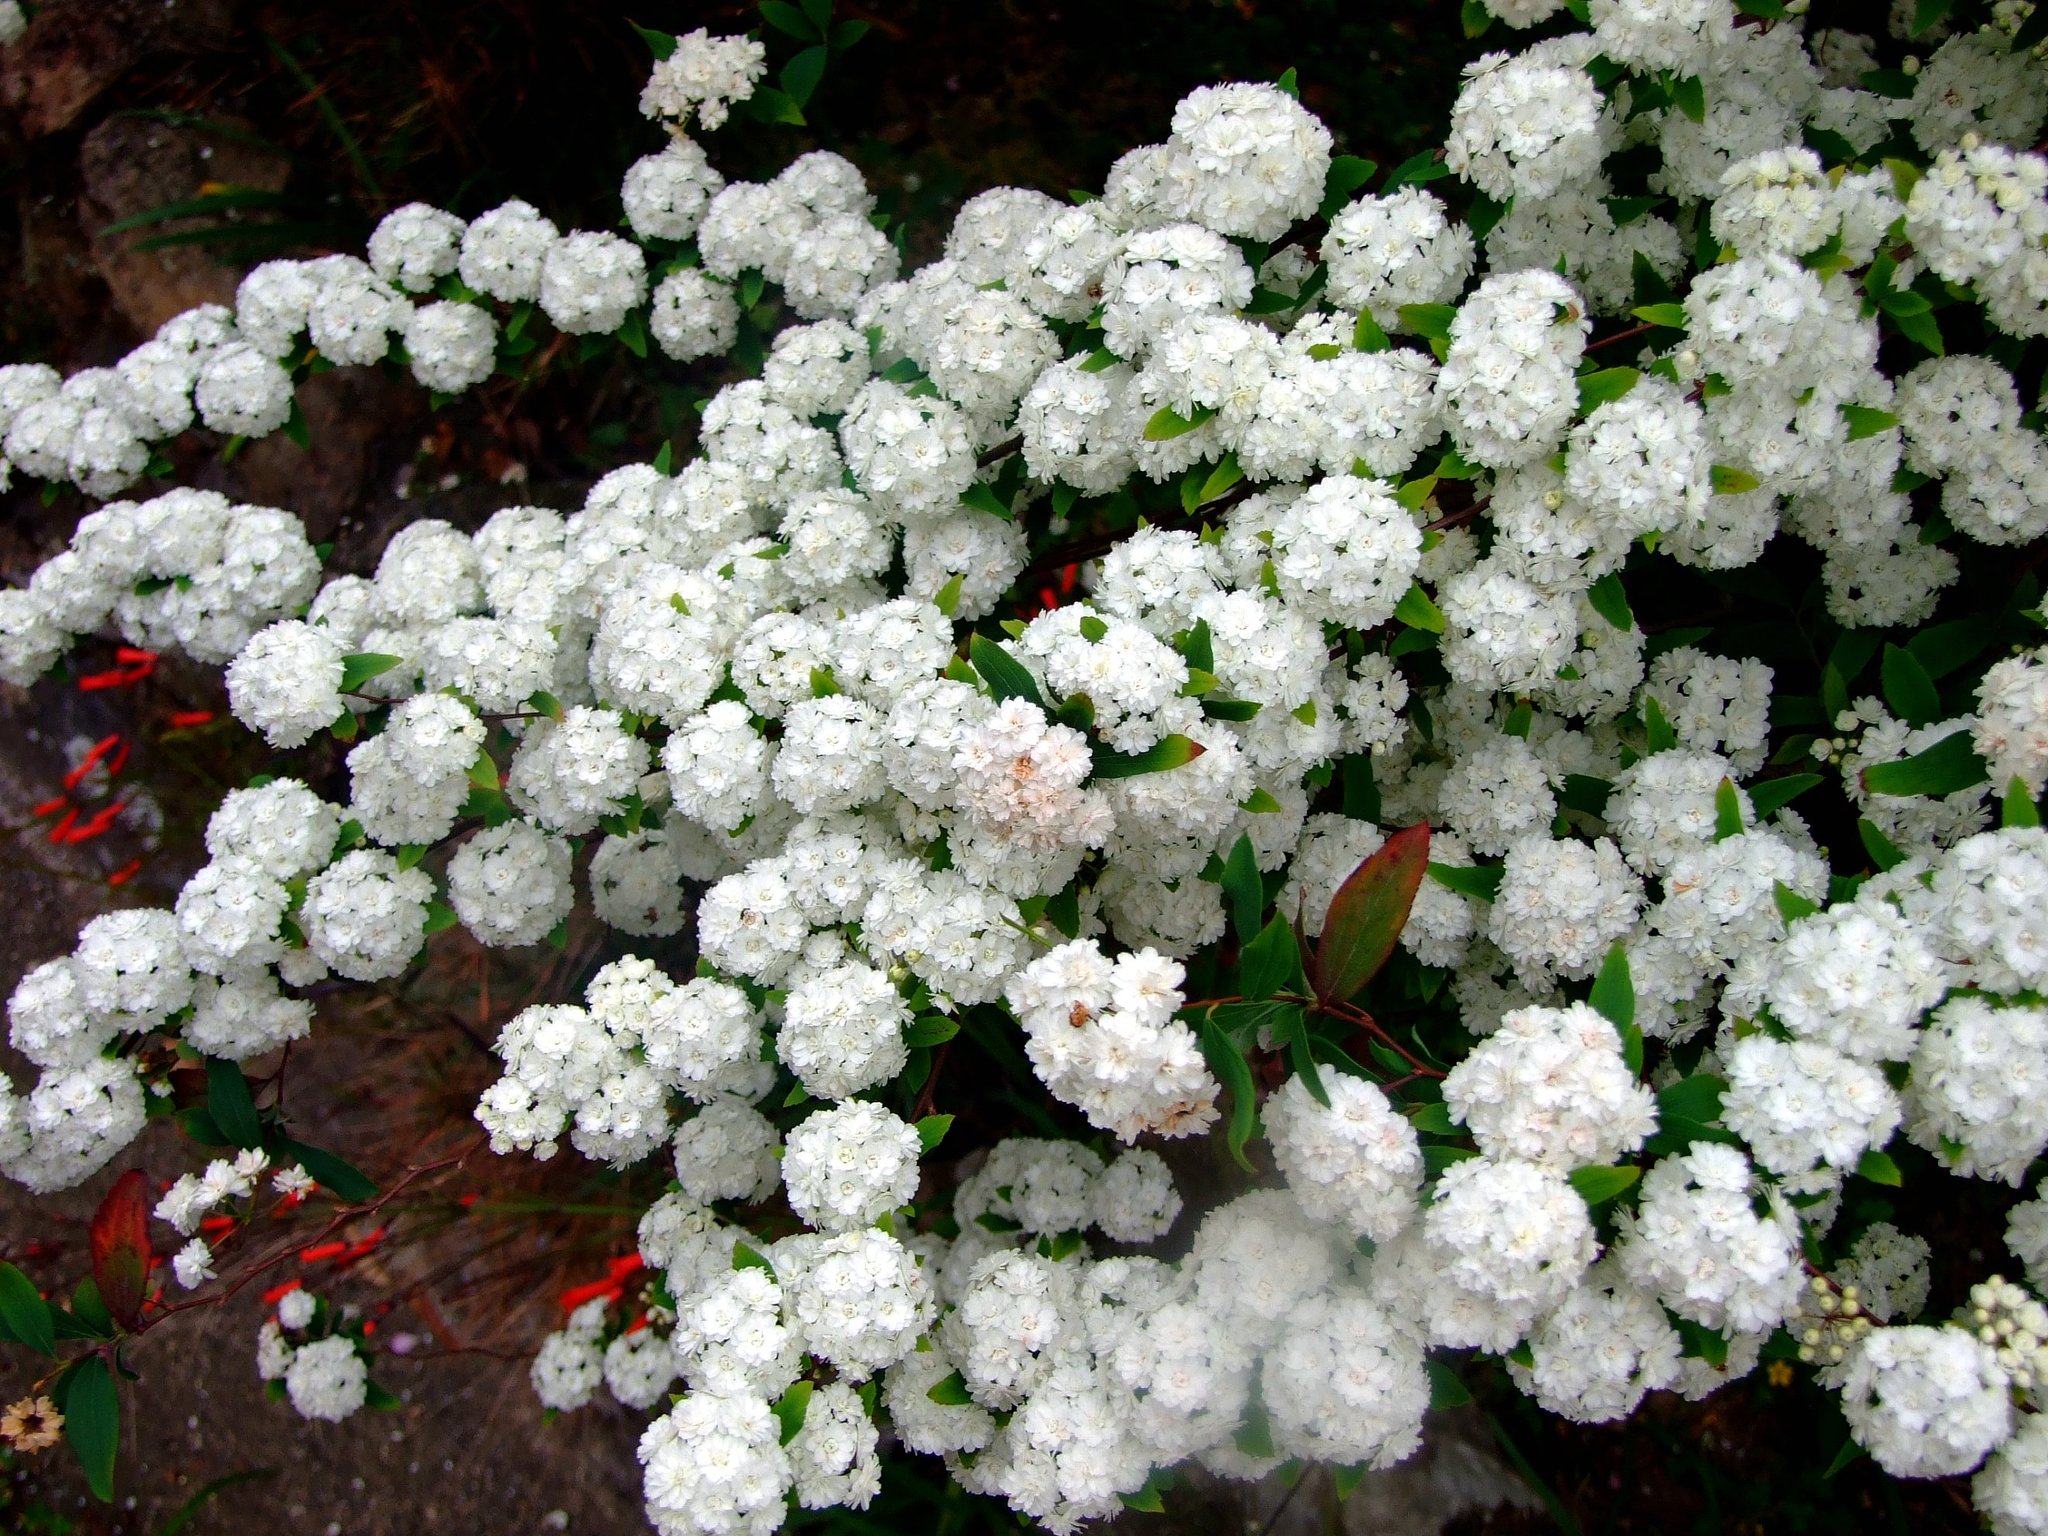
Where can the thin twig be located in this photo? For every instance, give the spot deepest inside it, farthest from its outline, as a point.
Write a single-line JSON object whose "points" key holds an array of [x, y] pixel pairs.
{"points": [[1000, 452]]}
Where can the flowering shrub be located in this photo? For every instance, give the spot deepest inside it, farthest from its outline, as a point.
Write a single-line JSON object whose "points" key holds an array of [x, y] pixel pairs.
{"points": [[1212, 645]]}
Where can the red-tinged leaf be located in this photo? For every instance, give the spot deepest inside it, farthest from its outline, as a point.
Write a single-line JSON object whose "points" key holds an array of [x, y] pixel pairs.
{"points": [[120, 1246], [1368, 913]]}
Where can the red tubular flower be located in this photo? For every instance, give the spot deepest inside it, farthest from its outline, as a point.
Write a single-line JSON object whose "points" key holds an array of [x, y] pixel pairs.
{"points": [[184, 719], [99, 750], [276, 1293], [125, 873], [99, 822]]}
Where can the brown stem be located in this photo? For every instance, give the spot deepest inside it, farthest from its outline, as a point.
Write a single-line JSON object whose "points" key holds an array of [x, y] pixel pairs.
{"points": [[1462, 515], [1000, 452], [1608, 341], [931, 1083]]}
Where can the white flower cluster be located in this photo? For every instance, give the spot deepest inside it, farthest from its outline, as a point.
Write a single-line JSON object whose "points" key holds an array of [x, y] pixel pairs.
{"points": [[1402, 510]]}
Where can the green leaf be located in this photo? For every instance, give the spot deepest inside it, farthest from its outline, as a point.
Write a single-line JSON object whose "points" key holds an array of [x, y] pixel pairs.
{"points": [[1221, 478], [359, 668], [1475, 18], [1445, 1390], [440, 916], [1671, 315], [660, 44], [228, 1100], [1289, 83], [1920, 329], [1168, 752], [1703, 1343], [791, 1407], [1729, 481], [1773, 794], [1481, 881], [1849, 1452], [1879, 1168], [1235, 1073], [1146, 1500], [1484, 215], [1414, 171], [1367, 336], [1167, 423], [1614, 993], [1596, 1186], [1347, 174], [24, 1313], [1244, 889], [982, 497], [1908, 690], [746, 1256], [770, 105], [800, 76], [931, 1130], [1727, 811], [1271, 962], [1883, 852], [932, 1029], [1432, 1119], [1610, 601], [1367, 914], [2018, 808], [951, 1392], [339, 1177], [1791, 905], [1596, 389], [546, 703], [947, 599], [1417, 611], [1929, 14], [92, 1423], [1005, 675], [1430, 321], [1260, 802], [1690, 97], [1951, 764], [89, 1309], [1864, 421], [1660, 737], [1696, 1098]]}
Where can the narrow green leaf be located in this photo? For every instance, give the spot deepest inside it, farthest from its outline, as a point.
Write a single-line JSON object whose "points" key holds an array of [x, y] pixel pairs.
{"points": [[1445, 1389], [1599, 1185], [1884, 853], [2018, 808], [932, 1029], [791, 1408], [1908, 690], [1597, 389], [1430, 321], [1849, 1452], [440, 916], [359, 668], [1610, 601], [1791, 905], [1660, 737], [950, 1392], [1167, 423], [1614, 992], [1879, 1168], [1235, 1073], [92, 1423], [227, 1098], [660, 44], [1432, 1119], [1418, 611], [1414, 171], [1168, 752], [1006, 676], [1244, 889], [1864, 421], [1727, 811], [1271, 962], [1347, 174], [24, 1313], [1729, 481], [1949, 765], [931, 1130], [1366, 916], [1367, 336], [1689, 95], [339, 1177], [1772, 794], [1481, 882], [1221, 478], [1696, 1098], [746, 1256], [1672, 315], [800, 76]]}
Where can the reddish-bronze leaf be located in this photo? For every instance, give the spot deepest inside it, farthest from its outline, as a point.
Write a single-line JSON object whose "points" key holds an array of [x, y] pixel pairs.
{"points": [[120, 1246], [1368, 913]]}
